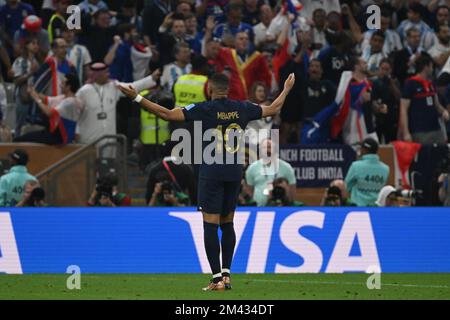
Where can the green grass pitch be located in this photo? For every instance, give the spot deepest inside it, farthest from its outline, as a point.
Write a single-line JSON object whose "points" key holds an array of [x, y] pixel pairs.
{"points": [[245, 286]]}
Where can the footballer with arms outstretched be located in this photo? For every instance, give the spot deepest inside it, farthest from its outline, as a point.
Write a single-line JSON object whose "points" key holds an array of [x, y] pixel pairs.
{"points": [[218, 184]]}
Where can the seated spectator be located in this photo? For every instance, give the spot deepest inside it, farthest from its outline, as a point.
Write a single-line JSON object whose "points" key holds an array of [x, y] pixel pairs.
{"points": [[63, 112], [420, 109], [29, 186], [279, 195], [12, 183], [367, 176], [387, 197], [106, 193], [261, 174], [165, 194]]}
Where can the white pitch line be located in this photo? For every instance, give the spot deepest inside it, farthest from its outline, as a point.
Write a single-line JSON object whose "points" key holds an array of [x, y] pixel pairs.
{"points": [[348, 283]]}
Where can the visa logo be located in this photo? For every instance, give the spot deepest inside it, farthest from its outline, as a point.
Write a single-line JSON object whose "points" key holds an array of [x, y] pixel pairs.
{"points": [[9, 256], [356, 224]]}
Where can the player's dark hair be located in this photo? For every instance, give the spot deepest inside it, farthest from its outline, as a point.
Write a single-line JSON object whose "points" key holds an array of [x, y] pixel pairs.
{"points": [[424, 60], [72, 81], [219, 81]]}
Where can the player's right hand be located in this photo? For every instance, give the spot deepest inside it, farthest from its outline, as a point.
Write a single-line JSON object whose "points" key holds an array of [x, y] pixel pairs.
{"points": [[290, 81]]}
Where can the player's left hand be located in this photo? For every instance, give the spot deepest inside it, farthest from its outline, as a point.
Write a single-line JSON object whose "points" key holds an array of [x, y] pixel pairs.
{"points": [[289, 83], [128, 90]]}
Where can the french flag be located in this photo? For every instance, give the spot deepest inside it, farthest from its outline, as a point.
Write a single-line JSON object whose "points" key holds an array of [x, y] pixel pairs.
{"points": [[293, 6], [349, 118]]}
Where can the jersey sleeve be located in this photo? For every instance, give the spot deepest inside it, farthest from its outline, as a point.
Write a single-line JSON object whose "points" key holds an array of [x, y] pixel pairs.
{"points": [[194, 112], [253, 111]]}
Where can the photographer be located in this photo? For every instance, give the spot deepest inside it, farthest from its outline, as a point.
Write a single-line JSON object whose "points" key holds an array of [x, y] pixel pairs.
{"points": [[165, 195], [278, 195], [387, 197], [333, 197], [36, 198], [106, 193]]}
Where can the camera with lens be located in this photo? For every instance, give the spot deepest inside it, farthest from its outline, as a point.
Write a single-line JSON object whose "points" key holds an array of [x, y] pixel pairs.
{"points": [[278, 195], [104, 188], [166, 188], [407, 193]]}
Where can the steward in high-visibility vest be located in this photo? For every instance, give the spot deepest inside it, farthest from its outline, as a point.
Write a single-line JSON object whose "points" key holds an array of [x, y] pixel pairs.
{"points": [[189, 89], [154, 130], [56, 25]]}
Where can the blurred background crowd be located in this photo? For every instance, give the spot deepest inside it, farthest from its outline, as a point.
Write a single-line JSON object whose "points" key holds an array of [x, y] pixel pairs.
{"points": [[63, 82]]}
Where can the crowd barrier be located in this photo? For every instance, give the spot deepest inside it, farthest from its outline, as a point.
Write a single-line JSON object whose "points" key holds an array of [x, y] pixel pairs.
{"points": [[269, 240]]}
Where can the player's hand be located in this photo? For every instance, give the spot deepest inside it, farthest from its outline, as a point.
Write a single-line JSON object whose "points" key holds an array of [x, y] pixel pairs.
{"points": [[128, 90], [289, 83]]}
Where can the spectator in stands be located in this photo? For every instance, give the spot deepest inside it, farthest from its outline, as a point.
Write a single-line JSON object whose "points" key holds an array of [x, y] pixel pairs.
{"points": [[442, 15], [32, 27], [420, 109], [63, 112], [440, 52], [392, 42], [92, 6], [404, 60], [153, 15], [373, 54], [444, 189], [165, 194], [228, 30], [77, 54], [28, 188], [265, 16], [279, 195], [11, 19], [415, 20], [386, 91], [119, 55], [193, 36], [129, 15], [181, 65], [23, 68], [336, 56], [106, 193], [172, 32], [316, 92], [12, 183], [261, 127], [57, 22], [244, 67], [49, 79], [318, 31], [98, 46], [387, 197], [367, 176], [99, 98], [261, 174]]}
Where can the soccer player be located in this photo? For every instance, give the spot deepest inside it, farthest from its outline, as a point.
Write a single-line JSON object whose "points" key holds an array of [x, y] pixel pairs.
{"points": [[218, 185]]}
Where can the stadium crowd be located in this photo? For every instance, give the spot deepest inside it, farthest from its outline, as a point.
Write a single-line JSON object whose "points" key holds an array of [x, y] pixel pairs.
{"points": [[65, 84]]}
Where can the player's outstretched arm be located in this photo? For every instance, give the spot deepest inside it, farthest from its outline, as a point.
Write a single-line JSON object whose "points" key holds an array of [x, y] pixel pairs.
{"points": [[276, 106], [175, 114]]}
